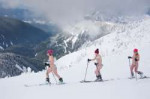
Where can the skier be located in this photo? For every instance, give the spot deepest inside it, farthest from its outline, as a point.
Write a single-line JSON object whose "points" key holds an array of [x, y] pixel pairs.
{"points": [[135, 63], [98, 65], [52, 67]]}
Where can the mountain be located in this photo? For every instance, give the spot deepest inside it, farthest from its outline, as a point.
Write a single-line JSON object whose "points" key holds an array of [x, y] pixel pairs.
{"points": [[15, 32], [71, 39], [20, 33], [114, 48], [28, 17], [117, 45], [18, 38], [13, 65], [74, 37], [66, 41]]}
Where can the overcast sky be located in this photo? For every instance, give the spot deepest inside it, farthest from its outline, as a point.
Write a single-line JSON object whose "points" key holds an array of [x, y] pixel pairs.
{"points": [[67, 11]]}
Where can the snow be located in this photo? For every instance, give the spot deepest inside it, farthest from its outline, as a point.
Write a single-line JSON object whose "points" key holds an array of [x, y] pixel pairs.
{"points": [[27, 21], [1, 48], [66, 45], [6, 45], [114, 48], [21, 69], [11, 43], [35, 54], [39, 21], [75, 38]]}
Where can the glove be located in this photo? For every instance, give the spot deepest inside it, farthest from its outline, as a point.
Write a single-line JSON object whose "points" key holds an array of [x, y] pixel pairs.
{"points": [[96, 64], [136, 59], [89, 60], [129, 57], [46, 64]]}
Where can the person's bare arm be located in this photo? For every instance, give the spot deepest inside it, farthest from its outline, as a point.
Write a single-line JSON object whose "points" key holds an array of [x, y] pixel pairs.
{"points": [[93, 59]]}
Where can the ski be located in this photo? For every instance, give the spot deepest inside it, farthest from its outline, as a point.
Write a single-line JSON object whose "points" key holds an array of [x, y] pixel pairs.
{"points": [[144, 77], [131, 77], [89, 81], [43, 84], [60, 83], [34, 85], [85, 81]]}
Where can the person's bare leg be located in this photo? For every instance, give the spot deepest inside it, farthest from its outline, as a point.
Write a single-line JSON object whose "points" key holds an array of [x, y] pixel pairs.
{"points": [[97, 72], [58, 76], [138, 72], [47, 74], [56, 73]]}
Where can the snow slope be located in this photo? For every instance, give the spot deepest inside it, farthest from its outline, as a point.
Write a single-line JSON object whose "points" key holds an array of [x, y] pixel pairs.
{"points": [[114, 49]]}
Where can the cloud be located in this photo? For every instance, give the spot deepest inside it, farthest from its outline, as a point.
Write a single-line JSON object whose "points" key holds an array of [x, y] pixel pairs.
{"points": [[64, 12]]}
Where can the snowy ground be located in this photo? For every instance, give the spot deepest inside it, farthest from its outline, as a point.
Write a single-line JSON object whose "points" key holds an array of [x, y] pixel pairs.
{"points": [[114, 48], [119, 88]]}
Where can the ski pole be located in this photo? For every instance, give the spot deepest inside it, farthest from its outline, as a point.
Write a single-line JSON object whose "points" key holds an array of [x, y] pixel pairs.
{"points": [[136, 76], [129, 62], [129, 66], [86, 71]]}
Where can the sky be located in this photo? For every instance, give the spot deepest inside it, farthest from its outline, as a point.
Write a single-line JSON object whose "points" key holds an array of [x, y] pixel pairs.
{"points": [[63, 12]]}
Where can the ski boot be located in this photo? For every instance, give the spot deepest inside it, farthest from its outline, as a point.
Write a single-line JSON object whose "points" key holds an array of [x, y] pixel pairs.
{"points": [[48, 81], [60, 80], [99, 78], [132, 76], [141, 74]]}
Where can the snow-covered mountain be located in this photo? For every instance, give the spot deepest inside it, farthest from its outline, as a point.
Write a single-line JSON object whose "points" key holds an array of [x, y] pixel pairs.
{"points": [[117, 45], [73, 37], [114, 48], [76, 37]]}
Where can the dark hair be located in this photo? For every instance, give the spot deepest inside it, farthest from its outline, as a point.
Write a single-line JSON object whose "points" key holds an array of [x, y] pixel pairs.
{"points": [[97, 51]]}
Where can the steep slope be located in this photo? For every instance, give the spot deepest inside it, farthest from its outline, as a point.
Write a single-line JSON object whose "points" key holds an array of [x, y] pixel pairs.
{"points": [[115, 44], [80, 35]]}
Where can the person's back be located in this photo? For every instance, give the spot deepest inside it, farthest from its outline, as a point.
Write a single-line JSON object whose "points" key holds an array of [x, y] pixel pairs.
{"points": [[51, 60]]}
